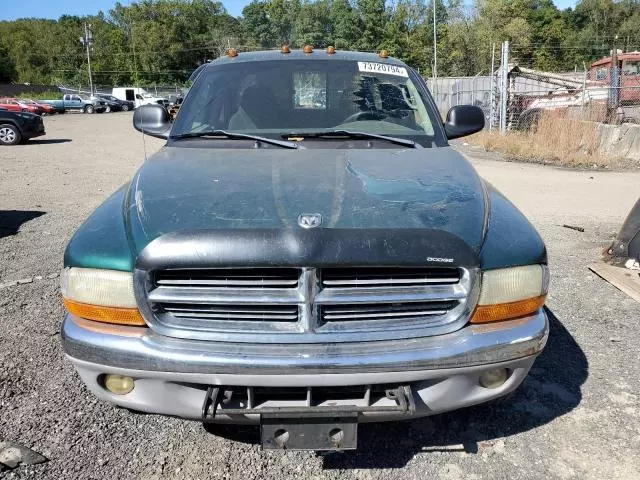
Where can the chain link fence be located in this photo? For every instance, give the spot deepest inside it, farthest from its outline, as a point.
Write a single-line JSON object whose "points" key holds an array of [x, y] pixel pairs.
{"points": [[515, 96], [163, 91]]}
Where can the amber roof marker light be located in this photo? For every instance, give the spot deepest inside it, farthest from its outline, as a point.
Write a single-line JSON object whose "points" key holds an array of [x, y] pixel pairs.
{"points": [[331, 50], [384, 54], [232, 52], [307, 49], [285, 49]]}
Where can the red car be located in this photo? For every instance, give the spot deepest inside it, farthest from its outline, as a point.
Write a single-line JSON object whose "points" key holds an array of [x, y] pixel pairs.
{"points": [[45, 108], [16, 105]]}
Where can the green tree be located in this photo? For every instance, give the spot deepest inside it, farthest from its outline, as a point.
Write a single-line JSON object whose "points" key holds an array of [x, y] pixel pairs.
{"points": [[374, 17], [346, 23], [7, 69], [312, 24]]}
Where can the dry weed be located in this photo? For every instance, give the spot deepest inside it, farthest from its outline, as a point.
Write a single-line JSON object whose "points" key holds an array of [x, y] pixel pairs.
{"points": [[558, 140]]}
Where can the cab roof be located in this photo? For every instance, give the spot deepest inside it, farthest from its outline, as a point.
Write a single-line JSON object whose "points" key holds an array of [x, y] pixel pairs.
{"points": [[318, 54]]}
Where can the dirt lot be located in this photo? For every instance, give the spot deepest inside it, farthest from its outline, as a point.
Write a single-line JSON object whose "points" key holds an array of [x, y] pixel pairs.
{"points": [[577, 415]]}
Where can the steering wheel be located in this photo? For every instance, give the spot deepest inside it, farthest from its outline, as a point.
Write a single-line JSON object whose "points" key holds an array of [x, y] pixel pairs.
{"points": [[369, 115], [400, 112]]}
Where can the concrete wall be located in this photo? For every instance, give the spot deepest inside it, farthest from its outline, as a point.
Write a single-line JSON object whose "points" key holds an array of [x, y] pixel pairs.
{"points": [[619, 140]]}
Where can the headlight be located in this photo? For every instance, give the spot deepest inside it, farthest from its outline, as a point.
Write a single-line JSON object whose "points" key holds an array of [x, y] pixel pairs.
{"points": [[102, 295], [511, 292]]}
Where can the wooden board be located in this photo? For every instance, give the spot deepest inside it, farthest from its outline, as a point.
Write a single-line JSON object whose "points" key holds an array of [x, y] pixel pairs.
{"points": [[620, 277]]}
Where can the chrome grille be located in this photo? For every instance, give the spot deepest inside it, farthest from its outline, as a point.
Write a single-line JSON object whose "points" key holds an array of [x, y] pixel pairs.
{"points": [[306, 305]]}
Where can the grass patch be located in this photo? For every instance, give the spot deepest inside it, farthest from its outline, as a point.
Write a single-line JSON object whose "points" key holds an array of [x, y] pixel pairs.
{"points": [[52, 95], [558, 140]]}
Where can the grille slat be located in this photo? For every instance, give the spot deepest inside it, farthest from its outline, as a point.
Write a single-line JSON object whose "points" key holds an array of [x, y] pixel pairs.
{"points": [[382, 282], [377, 311], [208, 296], [258, 313], [229, 283]]}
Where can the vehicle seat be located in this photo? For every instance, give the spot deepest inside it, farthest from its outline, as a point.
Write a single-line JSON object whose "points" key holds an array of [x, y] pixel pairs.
{"points": [[258, 109]]}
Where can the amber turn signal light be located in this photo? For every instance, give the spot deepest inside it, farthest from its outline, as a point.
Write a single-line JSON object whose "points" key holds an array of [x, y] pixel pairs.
{"points": [[384, 54], [117, 315], [232, 52], [507, 311], [307, 49], [331, 50]]}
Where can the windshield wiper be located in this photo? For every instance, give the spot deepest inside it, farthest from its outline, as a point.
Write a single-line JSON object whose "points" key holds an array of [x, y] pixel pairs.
{"points": [[234, 136], [350, 134]]}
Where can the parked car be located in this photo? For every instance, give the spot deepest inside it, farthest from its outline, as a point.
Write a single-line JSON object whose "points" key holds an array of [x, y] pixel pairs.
{"points": [[173, 109], [17, 105], [78, 102], [44, 108], [18, 127], [109, 105], [309, 268], [138, 95], [125, 105]]}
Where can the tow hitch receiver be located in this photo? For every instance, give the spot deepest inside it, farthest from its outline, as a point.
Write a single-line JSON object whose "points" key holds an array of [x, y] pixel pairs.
{"points": [[321, 419]]}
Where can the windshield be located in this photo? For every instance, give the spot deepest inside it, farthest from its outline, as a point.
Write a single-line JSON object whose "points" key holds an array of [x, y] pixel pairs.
{"points": [[296, 96]]}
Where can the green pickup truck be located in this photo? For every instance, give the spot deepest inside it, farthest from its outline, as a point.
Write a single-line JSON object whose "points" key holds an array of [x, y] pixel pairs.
{"points": [[79, 102], [306, 252]]}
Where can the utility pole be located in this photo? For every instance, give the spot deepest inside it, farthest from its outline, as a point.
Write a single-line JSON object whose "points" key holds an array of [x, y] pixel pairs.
{"points": [[492, 88], [87, 41], [435, 50], [614, 80]]}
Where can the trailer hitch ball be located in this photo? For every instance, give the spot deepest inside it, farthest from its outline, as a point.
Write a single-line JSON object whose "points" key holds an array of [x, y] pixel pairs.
{"points": [[336, 436], [281, 437]]}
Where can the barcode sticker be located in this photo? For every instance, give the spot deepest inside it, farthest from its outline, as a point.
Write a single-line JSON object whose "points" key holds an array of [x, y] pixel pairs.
{"points": [[382, 68]]}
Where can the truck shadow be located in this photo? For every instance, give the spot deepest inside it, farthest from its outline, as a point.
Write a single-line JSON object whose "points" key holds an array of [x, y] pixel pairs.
{"points": [[551, 390], [49, 141], [11, 220]]}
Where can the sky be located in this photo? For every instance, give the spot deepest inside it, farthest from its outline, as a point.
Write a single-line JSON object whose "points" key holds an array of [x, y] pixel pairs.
{"points": [[11, 10]]}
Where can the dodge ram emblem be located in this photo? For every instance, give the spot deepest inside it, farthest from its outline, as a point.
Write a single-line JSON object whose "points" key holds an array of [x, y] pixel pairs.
{"points": [[309, 220]]}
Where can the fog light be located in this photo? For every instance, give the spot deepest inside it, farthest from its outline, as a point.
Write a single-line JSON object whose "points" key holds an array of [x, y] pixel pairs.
{"points": [[118, 384], [494, 378]]}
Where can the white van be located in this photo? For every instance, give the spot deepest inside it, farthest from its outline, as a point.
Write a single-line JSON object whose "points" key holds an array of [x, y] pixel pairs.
{"points": [[138, 95]]}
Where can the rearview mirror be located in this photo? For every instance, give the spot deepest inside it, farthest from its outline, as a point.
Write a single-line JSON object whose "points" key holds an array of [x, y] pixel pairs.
{"points": [[463, 120], [152, 120]]}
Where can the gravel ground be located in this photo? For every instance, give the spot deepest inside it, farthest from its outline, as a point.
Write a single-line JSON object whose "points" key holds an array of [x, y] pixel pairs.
{"points": [[576, 416]]}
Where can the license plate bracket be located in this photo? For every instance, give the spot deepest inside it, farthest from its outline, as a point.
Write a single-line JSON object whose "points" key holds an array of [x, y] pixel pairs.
{"points": [[309, 432]]}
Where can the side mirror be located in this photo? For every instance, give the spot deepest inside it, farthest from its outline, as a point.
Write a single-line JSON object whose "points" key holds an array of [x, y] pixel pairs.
{"points": [[152, 120], [463, 120]]}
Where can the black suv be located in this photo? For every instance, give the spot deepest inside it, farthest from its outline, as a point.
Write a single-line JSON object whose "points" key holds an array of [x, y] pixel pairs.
{"points": [[125, 105], [18, 127]]}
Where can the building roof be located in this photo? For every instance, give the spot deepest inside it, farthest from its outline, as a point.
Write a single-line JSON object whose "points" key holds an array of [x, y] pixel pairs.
{"points": [[621, 56]]}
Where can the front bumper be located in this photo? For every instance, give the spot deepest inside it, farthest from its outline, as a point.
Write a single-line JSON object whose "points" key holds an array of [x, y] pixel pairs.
{"points": [[34, 129], [171, 375]]}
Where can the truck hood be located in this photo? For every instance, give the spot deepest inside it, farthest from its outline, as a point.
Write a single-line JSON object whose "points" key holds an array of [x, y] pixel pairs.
{"points": [[267, 189]]}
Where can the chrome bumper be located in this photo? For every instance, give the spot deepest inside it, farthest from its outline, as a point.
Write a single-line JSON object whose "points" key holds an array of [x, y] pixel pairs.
{"points": [[172, 375], [142, 349]]}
